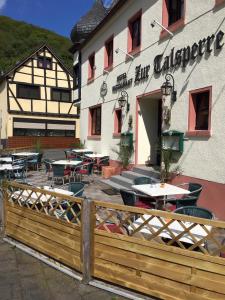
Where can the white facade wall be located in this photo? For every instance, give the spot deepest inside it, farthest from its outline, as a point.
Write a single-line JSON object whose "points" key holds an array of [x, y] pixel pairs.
{"points": [[203, 157]]}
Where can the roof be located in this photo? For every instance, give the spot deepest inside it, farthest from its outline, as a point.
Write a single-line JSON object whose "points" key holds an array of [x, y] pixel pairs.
{"points": [[115, 6], [25, 59], [88, 22]]}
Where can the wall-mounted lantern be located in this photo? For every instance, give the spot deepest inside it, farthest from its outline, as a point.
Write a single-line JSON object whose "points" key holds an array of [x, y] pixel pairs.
{"points": [[123, 101], [168, 88]]}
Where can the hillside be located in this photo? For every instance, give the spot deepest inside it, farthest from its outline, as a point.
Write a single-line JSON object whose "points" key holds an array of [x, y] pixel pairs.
{"points": [[18, 39]]}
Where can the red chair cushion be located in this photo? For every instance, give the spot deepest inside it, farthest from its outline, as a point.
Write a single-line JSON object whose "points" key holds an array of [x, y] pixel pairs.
{"points": [[83, 171], [143, 204], [67, 172], [112, 227]]}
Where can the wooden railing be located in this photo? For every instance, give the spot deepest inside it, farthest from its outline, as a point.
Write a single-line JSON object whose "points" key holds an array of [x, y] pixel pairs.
{"points": [[157, 253], [46, 221]]}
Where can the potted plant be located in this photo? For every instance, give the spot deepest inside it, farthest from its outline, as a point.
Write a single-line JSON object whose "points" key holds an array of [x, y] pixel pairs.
{"points": [[125, 153], [166, 173]]}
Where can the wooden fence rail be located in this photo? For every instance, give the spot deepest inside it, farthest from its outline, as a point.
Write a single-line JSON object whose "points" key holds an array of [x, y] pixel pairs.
{"points": [[157, 253]]}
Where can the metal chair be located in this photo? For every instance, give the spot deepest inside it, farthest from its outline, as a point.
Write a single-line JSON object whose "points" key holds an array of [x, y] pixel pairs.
{"points": [[77, 188], [142, 180], [133, 199], [190, 199], [195, 211], [48, 168], [59, 173], [85, 169], [103, 161]]}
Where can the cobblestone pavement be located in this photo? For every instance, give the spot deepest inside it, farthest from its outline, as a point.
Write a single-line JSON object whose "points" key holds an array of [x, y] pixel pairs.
{"points": [[23, 277]]}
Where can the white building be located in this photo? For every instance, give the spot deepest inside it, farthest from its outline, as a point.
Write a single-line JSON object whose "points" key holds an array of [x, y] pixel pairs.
{"points": [[129, 50]]}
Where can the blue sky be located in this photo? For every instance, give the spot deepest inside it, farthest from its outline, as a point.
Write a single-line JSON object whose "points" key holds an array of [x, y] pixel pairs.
{"points": [[55, 15]]}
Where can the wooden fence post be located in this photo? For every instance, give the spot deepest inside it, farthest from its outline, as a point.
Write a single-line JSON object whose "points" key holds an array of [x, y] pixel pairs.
{"points": [[3, 204], [88, 219]]}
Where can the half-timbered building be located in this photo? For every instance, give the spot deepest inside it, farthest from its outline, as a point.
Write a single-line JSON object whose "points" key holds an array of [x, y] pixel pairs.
{"points": [[36, 102]]}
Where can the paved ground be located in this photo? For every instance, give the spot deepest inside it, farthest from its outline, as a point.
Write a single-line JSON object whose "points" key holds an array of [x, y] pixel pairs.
{"points": [[23, 277]]}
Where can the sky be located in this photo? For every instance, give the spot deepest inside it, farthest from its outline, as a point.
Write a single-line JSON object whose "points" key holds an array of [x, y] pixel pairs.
{"points": [[56, 15]]}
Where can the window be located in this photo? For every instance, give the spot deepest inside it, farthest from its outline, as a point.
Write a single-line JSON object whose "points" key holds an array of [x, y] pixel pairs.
{"points": [[173, 15], [91, 66], [61, 95], [35, 127], [76, 75], [199, 114], [134, 33], [44, 62], [27, 91], [175, 10], [109, 53], [118, 121], [95, 120]]}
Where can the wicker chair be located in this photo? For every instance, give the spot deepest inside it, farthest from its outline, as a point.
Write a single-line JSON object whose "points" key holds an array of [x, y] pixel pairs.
{"points": [[195, 211]]}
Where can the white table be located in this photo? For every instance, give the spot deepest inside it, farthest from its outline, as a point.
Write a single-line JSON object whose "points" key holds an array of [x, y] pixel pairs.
{"points": [[56, 190], [36, 195], [96, 155], [9, 167], [159, 190], [25, 154], [67, 162], [81, 151], [6, 159], [176, 228]]}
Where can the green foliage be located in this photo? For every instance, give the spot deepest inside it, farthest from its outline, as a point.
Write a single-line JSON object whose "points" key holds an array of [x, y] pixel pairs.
{"points": [[38, 146], [124, 154], [18, 39], [78, 144]]}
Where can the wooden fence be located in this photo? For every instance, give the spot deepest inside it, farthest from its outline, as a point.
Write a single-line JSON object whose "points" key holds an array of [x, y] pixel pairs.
{"points": [[135, 248]]}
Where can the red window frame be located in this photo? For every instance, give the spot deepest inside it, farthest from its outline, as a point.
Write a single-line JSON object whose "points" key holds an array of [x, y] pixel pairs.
{"points": [[91, 66], [95, 121], [117, 122], [109, 51], [131, 48], [197, 108], [166, 18]]}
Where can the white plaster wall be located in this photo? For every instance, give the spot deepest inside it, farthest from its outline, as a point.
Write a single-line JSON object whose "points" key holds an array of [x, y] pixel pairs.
{"points": [[202, 158]]}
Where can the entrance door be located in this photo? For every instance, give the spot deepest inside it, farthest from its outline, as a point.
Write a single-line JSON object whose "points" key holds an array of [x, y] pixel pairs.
{"points": [[149, 130]]}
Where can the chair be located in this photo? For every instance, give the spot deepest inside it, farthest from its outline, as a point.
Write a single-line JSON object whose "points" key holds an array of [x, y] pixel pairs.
{"points": [[190, 199], [19, 174], [195, 211], [129, 197], [32, 162], [85, 169], [142, 180], [48, 168], [69, 154], [59, 172], [133, 199], [103, 161], [77, 188]]}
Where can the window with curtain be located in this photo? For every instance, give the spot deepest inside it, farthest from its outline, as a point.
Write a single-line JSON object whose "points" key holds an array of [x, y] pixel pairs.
{"points": [[175, 9], [96, 115]]}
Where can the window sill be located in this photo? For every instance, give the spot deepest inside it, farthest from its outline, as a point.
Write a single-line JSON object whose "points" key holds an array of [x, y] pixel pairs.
{"points": [[133, 52], [116, 135], [108, 69], [94, 137], [200, 133], [173, 27], [90, 80]]}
